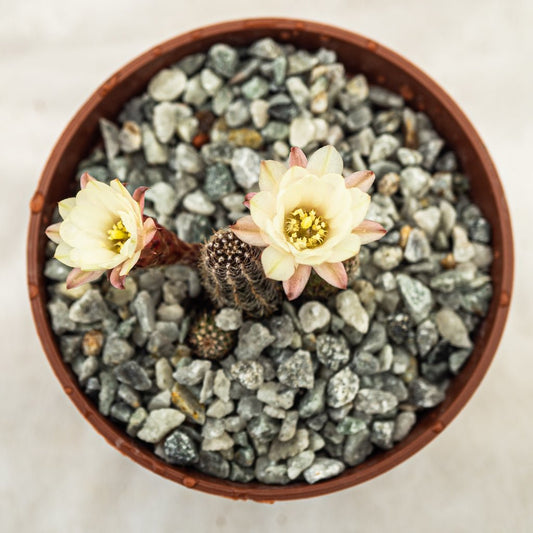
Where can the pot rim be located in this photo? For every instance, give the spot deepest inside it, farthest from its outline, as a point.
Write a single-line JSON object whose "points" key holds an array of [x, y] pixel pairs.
{"points": [[376, 464]]}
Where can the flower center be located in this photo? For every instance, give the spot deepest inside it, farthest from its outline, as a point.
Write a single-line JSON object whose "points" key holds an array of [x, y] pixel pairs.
{"points": [[305, 229], [119, 235]]}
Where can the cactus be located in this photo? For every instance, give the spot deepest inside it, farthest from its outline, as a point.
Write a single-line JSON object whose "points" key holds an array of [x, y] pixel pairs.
{"points": [[208, 341], [318, 289], [233, 276]]}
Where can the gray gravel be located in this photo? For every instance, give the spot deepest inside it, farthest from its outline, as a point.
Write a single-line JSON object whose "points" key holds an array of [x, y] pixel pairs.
{"points": [[326, 381]]}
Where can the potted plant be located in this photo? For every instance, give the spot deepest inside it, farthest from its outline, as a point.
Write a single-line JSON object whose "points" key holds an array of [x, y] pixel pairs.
{"points": [[350, 307]]}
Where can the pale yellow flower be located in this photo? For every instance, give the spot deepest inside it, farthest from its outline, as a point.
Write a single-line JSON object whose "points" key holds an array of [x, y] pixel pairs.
{"points": [[308, 217], [102, 230]]}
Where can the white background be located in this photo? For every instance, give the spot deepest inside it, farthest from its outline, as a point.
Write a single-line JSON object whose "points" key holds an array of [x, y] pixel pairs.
{"points": [[57, 474]]}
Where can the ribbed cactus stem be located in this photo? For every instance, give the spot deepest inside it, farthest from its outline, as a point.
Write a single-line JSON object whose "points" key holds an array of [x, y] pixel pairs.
{"points": [[167, 249], [233, 276]]}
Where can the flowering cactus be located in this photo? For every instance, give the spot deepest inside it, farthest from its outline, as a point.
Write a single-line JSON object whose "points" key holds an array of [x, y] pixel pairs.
{"points": [[308, 217], [104, 230]]}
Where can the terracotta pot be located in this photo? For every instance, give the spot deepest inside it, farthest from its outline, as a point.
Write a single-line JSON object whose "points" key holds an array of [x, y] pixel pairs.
{"points": [[381, 66]]}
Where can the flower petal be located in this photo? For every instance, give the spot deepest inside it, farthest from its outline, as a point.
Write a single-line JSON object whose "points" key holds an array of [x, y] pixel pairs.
{"points": [[346, 248], [295, 285], [247, 199], [270, 174], [363, 180], [149, 231], [263, 208], [333, 273], [369, 231], [326, 160], [248, 231], [66, 206], [138, 196], [52, 232], [85, 179], [115, 278], [297, 157], [360, 203], [78, 277], [278, 265]]}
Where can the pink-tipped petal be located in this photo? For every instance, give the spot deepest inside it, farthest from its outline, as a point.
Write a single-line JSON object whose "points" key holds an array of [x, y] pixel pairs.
{"points": [[115, 278], [52, 232], [297, 157], [363, 179], [248, 231], [138, 196], [85, 179], [369, 231], [149, 230], [247, 199], [78, 277], [295, 285], [333, 273]]}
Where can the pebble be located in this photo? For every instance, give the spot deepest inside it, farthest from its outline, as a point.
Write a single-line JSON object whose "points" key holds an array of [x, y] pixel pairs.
{"points": [[92, 343], [416, 297], [245, 164], [270, 473], [130, 137], [425, 394], [314, 400], [259, 113], [426, 336], [364, 363], [282, 328], [382, 433], [384, 146], [403, 424], [332, 351], [313, 316], [452, 328], [143, 307], [463, 249], [276, 395], [297, 371], [159, 423], [250, 374], [195, 94], [214, 464], [193, 373], [110, 135], [417, 247], [342, 388], [266, 48], [210, 81], [134, 375], [163, 196], [187, 403], [458, 359], [357, 447], [164, 121], [91, 307], [167, 84], [198, 202], [218, 182], [221, 385], [302, 132], [253, 339], [187, 159], [224, 59], [224, 442], [414, 181], [387, 257], [180, 449], [323, 468], [373, 401], [352, 312], [117, 351]]}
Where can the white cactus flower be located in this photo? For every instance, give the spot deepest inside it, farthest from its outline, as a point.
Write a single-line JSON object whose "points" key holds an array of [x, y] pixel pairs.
{"points": [[102, 230], [308, 217]]}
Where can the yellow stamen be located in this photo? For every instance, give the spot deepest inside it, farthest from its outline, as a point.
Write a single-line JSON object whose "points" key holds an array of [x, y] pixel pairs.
{"points": [[305, 229], [119, 234]]}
